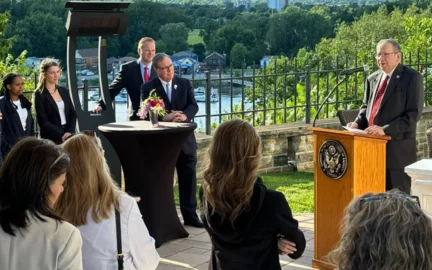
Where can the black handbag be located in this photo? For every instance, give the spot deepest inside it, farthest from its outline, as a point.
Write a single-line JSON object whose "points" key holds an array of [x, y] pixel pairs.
{"points": [[119, 243]]}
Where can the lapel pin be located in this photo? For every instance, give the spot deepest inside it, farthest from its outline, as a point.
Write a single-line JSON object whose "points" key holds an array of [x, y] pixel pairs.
{"points": [[397, 76], [175, 86]]}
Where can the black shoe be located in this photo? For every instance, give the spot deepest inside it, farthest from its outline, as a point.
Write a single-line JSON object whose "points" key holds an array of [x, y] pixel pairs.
{"points": [[195, 223]]}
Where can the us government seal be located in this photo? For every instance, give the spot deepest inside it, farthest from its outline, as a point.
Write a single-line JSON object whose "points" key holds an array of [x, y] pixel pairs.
{"points": [[333, 159]]}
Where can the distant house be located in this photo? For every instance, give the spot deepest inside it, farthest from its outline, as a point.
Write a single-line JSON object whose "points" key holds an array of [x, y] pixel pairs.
{"points": [[33, 61], [184, 54], [266, 59], [90, 57], [214, 62], [126, 59]]}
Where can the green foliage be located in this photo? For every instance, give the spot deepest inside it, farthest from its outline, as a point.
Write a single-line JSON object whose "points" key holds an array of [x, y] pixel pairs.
{"points": [[5, 43], [11, 64], [238, 55], [199, 49], [175, 36]]}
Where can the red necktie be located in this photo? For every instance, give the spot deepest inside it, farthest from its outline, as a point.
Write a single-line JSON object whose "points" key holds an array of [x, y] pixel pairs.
{"points": [[378, 98], [146, 76]]}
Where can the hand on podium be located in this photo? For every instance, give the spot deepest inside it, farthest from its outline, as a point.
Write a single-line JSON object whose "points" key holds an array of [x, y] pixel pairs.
{"points": [[375, 130]]}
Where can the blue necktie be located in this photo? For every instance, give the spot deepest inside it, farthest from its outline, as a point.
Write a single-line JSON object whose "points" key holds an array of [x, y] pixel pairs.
{"points": [[168, 90]]}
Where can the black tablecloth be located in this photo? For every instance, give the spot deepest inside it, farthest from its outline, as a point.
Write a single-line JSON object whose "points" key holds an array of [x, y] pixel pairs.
{"points": [[148, 157]]}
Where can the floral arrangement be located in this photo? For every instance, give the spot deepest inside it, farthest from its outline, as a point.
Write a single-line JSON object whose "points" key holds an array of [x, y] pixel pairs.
{"points": [[152, 103]]}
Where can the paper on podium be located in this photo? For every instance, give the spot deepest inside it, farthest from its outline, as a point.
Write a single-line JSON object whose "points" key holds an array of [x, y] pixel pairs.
{"points": [[355, 130]]}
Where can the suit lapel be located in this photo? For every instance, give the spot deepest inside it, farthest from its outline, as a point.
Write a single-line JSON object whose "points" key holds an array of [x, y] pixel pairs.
{"points": [[174, 90], [139, 77], [51, 100], [394, 80], [374, 85], [17, 119]]}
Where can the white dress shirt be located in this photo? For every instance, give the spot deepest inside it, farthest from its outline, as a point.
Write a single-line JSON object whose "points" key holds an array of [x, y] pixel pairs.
{"points": [[49, 245], [22, 113], [100, 241], [61, 107], [149, 67]]}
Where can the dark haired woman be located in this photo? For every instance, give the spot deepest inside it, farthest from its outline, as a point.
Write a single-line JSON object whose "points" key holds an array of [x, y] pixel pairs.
{"points": [[16, 111], [55, 111], [32, 236]]}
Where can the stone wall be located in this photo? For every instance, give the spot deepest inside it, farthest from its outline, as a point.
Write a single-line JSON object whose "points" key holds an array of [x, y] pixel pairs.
{"points": [[289, 147]]}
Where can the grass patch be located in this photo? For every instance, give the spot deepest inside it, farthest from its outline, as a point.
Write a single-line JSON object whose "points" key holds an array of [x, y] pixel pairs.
{"points": [[297, 187], [194, 37]]}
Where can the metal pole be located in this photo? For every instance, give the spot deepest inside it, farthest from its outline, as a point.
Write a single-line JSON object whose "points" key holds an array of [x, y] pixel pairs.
{"points": [[308, 94], [207, 103]]}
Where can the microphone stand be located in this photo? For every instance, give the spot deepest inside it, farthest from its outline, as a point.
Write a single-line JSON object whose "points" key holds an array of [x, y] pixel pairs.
{"points": [[327, 97]]}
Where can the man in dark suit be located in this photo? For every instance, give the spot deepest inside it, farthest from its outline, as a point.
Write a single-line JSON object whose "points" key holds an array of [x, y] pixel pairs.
{"points": [[393, 103], [132, 75], [181, 106]]}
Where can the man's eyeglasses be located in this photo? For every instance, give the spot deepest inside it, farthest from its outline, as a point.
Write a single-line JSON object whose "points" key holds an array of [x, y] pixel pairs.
{"points": [[385, 55], [413, 199], [166, 68]]}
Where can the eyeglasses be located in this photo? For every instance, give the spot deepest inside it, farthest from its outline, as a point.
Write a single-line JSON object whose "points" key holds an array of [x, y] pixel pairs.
{"points": [[166, 68], [385, 55], [413, 199]]}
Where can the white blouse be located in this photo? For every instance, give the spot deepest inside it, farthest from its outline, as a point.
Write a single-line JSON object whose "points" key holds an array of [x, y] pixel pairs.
{"points": [[22, 112], [61, 107], [100, 242]]}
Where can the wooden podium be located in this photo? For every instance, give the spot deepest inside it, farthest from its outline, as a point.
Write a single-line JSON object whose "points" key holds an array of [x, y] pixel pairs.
{"points": [[365, 163]]}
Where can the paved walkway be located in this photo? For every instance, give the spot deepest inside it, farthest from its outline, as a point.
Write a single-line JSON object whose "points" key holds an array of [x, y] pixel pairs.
{"points": [[194, 252]]}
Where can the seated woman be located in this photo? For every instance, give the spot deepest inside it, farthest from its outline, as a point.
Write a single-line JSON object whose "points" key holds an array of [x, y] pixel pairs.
{"points": [[32, 236], [55, 111], [89, 203], [383, 232], [247, 223], [16, 110]]}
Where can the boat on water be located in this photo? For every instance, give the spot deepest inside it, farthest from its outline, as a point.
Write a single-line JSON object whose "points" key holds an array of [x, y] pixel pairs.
{"points": [[213, 98]]}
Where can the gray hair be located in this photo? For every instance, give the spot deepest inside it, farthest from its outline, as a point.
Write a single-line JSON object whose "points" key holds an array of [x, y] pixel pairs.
{"points": [[394, 43], [159, 57]]}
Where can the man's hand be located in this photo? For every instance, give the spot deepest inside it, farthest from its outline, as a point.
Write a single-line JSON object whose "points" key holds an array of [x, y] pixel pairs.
{"points": [[169, 117], [352, 125], [375, 130], [66, 135], [98, 109], [179, 117], [286, 247]]}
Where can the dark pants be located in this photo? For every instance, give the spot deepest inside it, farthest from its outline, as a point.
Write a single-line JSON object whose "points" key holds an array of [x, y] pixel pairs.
{"points": [[186, 172], [397, 178]]}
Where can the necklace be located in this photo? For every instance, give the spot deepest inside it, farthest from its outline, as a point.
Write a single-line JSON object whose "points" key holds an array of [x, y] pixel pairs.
{"points": [[52, 92]]}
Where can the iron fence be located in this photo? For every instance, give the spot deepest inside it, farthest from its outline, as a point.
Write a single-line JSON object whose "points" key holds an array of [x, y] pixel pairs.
{"points": [[283, 91]]}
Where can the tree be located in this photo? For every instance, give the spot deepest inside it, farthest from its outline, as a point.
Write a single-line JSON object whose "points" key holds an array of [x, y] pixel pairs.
{"points": [[199, 49], [41, 35], [161, 46], [238, 55], [175, 36], [5, 43]]}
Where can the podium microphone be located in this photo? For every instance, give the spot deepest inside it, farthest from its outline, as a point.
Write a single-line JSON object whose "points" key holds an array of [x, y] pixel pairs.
{"points": [[354, 70], [345, 72]]}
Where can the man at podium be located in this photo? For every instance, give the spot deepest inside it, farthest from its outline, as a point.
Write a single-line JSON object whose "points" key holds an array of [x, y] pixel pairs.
{"points": [[392, 105]]}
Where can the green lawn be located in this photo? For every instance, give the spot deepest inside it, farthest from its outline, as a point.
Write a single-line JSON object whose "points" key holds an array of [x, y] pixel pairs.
{"points": [[296, 186], [194, 37]]}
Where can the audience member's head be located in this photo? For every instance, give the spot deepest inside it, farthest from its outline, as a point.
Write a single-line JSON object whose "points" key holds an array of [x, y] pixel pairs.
{"points": [[31, 180], [90, 185], [234, 157], [385, 231]]}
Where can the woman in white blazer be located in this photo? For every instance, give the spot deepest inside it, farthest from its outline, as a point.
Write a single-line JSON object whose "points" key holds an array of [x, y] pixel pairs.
{"points": [[89, 204], [32, 236]]}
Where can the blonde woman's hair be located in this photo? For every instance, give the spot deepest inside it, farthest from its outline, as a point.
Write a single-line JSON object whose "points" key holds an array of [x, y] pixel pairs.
{"points": [[89, 183], [44, 66], [233, 162], [386, 231]]}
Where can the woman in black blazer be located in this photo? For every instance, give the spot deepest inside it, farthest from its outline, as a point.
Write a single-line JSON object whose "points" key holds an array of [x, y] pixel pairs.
{"points": [[16, 110], [55, 112], [249, 225]]}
